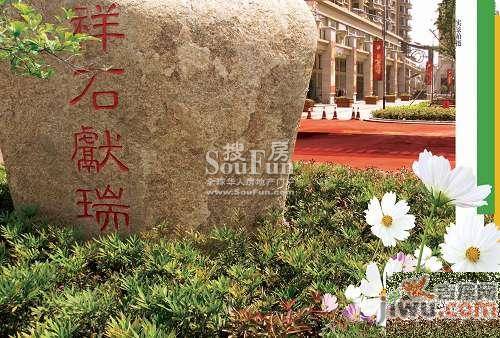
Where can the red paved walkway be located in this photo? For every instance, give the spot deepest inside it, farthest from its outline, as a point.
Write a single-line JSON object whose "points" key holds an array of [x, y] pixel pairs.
{"points": [[387, 146]]}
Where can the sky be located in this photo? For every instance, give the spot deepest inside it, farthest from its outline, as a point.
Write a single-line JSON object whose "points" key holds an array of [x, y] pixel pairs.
{"points": [[424, 13]]}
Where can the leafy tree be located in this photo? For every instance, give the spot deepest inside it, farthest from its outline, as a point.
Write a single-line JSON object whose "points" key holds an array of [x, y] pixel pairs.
{"points": [[446, 25], [27, 42]]}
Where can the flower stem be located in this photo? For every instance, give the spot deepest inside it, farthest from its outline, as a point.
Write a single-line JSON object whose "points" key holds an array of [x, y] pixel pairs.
{"points": [[376, 250], [424, 235]]}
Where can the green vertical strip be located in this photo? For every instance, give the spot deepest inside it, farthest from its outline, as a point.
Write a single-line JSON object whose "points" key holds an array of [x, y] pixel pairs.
{"points": [[486, 97]]}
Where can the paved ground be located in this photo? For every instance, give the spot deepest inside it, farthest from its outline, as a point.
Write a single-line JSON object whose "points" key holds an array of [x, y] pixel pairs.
{"points": [[361, 144], [368, 144]]}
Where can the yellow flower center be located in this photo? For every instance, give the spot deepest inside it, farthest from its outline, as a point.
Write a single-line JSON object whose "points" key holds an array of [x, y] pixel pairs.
{"points": [[383, 295], [387, 221], [473, 254]]}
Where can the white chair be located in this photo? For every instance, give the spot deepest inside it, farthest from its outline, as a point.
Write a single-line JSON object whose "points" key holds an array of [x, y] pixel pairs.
{"points": [[330, 110], [344, 114], [318, 112]]}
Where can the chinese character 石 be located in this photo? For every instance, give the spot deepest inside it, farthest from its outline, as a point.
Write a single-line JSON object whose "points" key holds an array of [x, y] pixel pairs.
{"points": [[279, 152], [232, 152], [99, 22], [87, 152], [113, 95], [108, 209]]}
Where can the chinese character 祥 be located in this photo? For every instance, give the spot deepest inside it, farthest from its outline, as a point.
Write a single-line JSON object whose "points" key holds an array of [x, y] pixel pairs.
{"points": [[97, 95], [87, 153], [79, 22], [108, 209], [97, 24]]}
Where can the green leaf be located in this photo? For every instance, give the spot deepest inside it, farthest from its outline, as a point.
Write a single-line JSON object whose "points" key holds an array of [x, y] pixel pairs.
{"points": [[23, 8], [69, 13], [17, 28]]}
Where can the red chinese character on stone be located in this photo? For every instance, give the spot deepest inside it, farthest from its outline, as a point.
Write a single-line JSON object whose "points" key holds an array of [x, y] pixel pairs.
{"points": [[84, 143], [111, 210], [80, 21], [99, 21], [109, 147], [86, 150], [84, 203], [98, 94], [103, 17]]}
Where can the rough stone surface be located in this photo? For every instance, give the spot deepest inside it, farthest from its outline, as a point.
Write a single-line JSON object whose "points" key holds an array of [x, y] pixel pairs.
{"points": [[199, 74]]}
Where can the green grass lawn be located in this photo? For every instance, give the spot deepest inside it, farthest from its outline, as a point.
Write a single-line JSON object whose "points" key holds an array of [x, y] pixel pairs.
{"points": [[421, 111], [204, 285]]}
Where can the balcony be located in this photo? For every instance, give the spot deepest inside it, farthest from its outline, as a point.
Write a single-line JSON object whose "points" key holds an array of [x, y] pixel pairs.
{"points": [[342, 3], [406, 3], [405, 15]]}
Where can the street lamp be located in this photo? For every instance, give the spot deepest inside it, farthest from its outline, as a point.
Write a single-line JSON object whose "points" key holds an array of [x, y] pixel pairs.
{"points": [[384, 37], [384, 21]]}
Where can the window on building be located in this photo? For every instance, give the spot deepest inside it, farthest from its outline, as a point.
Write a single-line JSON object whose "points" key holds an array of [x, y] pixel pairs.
{"points": [[317, 62], [341, 76], [347, 42], [339, 39], [360, 66], [340, 65], [322, 34]]}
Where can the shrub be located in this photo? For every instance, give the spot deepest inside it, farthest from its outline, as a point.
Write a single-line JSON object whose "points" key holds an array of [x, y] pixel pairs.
{"points": [[5, 200], [226, 282], [421, 111]]}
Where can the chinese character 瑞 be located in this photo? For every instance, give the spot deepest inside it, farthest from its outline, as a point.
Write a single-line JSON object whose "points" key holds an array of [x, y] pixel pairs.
{"points": [[108, 209]]}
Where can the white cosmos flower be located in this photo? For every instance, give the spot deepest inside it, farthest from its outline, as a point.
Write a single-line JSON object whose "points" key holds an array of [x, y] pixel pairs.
{"points": [[471, 246], [408, 262], [457, 186], [373, 289], [329, 303], [353, 294], [429, 262], [389, 220]]}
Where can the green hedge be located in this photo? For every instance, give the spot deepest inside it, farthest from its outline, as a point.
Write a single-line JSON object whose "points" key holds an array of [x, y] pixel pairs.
{"points": [[421, 111], [223, 283]]}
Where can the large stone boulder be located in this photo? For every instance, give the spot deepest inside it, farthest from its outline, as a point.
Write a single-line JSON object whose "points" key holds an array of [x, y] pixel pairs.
{"points": [[183, 112]]}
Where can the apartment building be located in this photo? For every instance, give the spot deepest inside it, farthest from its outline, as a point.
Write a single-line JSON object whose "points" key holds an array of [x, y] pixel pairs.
{"points": [[344, 59]]}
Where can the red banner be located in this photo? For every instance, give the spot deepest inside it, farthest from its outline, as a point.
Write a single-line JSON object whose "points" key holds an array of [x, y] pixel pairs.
{"points": [[429, 70], [378, 60]]}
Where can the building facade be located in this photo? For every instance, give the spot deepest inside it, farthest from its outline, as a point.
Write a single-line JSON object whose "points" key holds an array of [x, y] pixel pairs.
{"points": [[344, 60]]}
